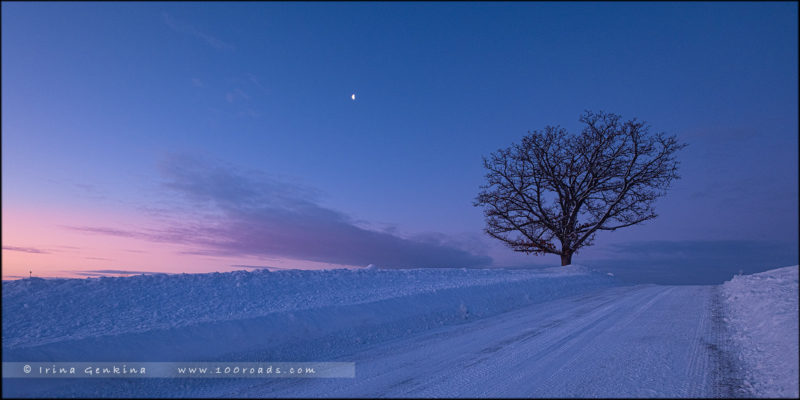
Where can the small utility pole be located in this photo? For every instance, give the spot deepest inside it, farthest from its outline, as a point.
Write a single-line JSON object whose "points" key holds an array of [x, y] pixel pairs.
{"points": [[30, 274]]}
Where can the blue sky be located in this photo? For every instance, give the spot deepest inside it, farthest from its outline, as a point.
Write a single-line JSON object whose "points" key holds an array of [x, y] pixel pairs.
{"points": [[141, 124]]}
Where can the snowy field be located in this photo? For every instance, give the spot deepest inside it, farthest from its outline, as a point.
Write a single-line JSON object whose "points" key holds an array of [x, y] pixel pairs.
{"points": [[562, 332]]}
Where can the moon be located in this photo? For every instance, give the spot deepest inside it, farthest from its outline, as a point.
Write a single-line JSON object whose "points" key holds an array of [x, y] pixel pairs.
{"points": [[353, 96]]}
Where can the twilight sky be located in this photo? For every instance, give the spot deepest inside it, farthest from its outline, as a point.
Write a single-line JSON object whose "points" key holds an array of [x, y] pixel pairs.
{"points": [[197, 137]]}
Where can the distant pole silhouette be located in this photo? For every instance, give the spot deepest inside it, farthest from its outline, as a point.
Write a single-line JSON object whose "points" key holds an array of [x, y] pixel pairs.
{"points": [[30, 274]]}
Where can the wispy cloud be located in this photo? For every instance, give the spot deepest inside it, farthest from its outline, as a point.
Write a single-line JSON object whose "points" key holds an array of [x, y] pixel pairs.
{"points": [[259, 267], [110, 272], [68, 247], [26, 249], [188, 29], [104, 231], [119, 271], [257, 215], [236, 95], [256, 82]]}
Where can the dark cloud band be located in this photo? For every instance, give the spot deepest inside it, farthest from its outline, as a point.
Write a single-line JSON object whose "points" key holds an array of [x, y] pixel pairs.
{"points": [[256, 215]]}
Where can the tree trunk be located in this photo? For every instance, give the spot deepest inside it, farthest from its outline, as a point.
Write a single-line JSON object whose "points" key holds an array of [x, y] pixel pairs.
{"points": [[566, 258]]}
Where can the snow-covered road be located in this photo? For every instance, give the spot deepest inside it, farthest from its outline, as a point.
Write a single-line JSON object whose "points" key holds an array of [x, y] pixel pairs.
{"points": [[635, 341]]}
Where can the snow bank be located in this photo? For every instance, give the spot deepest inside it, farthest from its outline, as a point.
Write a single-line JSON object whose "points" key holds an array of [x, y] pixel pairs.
{"points": [[762, 311], [295, 313]]}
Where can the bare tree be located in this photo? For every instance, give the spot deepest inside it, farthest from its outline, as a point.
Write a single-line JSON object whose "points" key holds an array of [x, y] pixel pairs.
{"points": [[554, 185]]}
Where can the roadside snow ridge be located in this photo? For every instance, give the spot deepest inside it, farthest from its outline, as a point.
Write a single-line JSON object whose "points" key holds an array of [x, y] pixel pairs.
{"points": [[762, 313]]}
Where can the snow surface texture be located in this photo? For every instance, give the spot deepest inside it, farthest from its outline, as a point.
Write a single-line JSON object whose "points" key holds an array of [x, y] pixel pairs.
{"points": [[558, 332], [620, 341], [107, 311], [762, 311]]}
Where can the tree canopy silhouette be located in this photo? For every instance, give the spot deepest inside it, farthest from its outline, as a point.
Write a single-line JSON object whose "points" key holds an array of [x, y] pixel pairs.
{"points": [[557, 186]]}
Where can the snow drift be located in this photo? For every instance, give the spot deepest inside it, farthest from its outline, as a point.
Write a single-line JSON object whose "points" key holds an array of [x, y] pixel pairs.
{"points": [[761, 310]]}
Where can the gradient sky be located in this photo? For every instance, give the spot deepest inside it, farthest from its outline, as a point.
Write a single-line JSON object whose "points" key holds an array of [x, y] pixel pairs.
{"points": [[196, 137]]}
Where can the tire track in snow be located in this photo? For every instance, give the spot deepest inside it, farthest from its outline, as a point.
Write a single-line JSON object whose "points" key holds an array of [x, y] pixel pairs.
{"points": [[635, 341], [700, 358], [728, 374]]}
